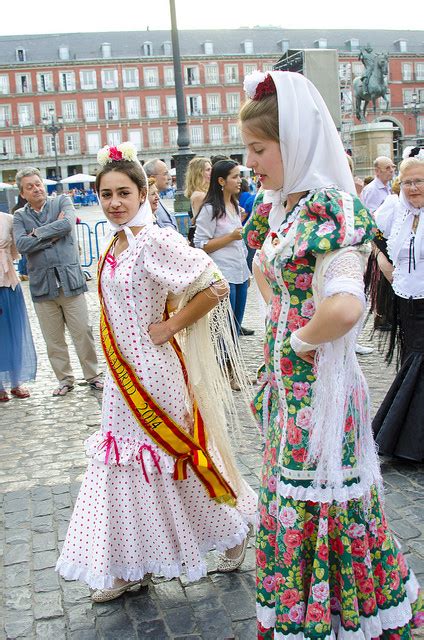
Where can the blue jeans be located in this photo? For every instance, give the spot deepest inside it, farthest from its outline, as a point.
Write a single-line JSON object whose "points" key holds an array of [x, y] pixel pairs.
{"points": [[238, 297]]}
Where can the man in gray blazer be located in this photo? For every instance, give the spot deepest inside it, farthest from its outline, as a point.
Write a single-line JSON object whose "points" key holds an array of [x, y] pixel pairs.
{"points": [[44, 231], [158, 170]]}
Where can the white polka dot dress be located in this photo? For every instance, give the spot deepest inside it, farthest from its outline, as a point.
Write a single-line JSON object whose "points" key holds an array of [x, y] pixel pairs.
{"points": [[134, 518]]}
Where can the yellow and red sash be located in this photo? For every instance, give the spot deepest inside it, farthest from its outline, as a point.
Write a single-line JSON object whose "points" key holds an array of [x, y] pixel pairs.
{"points": [[158, 425]]}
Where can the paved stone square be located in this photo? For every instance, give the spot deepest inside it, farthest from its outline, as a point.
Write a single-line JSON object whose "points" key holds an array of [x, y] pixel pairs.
{"points": [[42, 462]]}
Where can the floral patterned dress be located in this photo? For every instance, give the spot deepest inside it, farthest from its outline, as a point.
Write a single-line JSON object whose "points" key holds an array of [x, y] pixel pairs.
{"points": [[326, 568]]}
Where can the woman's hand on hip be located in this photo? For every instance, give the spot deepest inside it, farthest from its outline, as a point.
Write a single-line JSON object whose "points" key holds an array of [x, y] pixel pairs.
{"points": [[160, 332], [307, 356]]}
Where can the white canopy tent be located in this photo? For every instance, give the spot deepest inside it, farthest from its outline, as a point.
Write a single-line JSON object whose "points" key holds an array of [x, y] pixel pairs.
{"points": [[5, 185], [78, 177], [49, 182]]}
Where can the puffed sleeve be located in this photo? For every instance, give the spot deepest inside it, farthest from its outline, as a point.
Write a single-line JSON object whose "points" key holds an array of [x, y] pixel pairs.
{"points": [[257, 227], [345, 275], [330, 220], [172, 263], [386, 213]]}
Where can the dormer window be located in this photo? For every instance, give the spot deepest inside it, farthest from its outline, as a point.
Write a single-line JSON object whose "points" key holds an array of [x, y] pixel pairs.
{"points": [[147, 49], [321, 43], [106, 49], [401, 46], [284, 45], [352, 44], [167, 48], [208, 47], [64, 52], [248, 46], [20, 55]]}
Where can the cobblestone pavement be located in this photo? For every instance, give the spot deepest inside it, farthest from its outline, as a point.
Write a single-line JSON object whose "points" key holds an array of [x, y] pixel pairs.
{"points": [[42, 462]]}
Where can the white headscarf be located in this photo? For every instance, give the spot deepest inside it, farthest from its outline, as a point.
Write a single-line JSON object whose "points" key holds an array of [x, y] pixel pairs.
{"points": [[143, 217], [311, 149], [395, 218]]}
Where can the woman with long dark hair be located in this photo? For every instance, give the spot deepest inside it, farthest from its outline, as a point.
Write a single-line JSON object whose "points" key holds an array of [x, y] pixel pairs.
{"points": [[219, 232]]}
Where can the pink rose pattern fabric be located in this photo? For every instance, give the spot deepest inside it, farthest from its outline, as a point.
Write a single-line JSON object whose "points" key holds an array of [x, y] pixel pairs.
{"points": [[316, 560]]}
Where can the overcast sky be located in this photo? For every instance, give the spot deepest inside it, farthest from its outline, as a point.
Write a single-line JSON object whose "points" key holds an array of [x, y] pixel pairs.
{"points": [[97, 15]]}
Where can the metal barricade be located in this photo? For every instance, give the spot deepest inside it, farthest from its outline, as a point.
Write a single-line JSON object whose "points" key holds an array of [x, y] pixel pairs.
{"points": [[99, 234], [84, 244]]}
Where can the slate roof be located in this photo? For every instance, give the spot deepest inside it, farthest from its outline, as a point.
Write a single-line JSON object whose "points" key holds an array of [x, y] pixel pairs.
{"points": [[226, 42]]}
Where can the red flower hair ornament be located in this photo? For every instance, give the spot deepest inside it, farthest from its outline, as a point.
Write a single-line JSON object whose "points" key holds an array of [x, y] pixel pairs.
{"points": [[258, 85], [124, 151]]}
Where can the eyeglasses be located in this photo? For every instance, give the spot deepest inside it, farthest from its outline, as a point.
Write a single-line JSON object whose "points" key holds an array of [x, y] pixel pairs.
{"points": [[413, 183]]}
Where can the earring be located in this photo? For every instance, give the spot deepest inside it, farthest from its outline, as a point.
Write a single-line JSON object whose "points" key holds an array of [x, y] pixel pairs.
{"points": [[222, 187]]}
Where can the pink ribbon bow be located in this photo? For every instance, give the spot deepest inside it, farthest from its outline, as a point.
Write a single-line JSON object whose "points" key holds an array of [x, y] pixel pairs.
{"points": [[155, 458], [107, 444], [111, 260]]}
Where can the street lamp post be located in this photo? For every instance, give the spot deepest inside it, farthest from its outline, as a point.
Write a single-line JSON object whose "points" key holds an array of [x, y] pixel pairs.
{"points": [[414, 107], [184, 153], [53, 126]]}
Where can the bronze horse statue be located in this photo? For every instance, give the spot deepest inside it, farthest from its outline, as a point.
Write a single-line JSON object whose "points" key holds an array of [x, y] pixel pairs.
{"points": [[376, 87]]}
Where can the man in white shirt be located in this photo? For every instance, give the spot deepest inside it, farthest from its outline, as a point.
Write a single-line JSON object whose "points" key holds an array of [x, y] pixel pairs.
{"points": [[158, 170], [375, 193]]}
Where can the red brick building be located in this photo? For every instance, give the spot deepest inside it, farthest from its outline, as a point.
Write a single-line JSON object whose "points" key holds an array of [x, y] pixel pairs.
{"points": [[111, 87]]}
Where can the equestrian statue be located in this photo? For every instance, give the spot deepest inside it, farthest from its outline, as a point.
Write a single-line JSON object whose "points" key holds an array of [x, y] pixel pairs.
{"points": [[373, 83]]}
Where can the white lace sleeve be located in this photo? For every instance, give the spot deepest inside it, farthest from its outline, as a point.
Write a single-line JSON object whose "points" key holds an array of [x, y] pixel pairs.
{"points": [[345, 275]]}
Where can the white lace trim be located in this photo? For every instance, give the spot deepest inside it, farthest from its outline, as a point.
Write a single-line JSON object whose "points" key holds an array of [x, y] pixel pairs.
{"points": [[372, 627], [72, 571], [326, 494]]}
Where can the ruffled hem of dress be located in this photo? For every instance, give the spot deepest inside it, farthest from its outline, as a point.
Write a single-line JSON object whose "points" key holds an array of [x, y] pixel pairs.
{"points": [[326, 494], [370, 627], [71, 571], [100, 447]]}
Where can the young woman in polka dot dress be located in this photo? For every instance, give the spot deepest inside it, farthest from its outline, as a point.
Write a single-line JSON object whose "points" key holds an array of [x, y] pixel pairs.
{"points": [[131, 517]]}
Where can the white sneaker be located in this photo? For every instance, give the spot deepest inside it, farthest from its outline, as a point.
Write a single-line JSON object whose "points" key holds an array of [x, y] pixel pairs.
{"points": [[363, 351]]}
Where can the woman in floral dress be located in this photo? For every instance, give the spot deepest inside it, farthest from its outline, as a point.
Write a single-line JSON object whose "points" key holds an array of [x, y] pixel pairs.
{"points": [[327, 565]]}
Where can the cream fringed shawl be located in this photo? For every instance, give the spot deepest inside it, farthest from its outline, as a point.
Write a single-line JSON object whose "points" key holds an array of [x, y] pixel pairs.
{"points": [[209, 353]]}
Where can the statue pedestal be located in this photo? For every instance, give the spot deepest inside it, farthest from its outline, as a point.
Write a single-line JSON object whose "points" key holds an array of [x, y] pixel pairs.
{"points": [[368, 142]]}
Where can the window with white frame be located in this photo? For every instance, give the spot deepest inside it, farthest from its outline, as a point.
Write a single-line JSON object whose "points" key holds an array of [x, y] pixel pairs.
{"points": [[25, 114], [211, 74], [407, 71], [136, 137], [215, 134], [231, 73], [249, 68], [69, 111], [151, 76], [346, 100], [168, 73], [20, 55], [213, 101], [67, 81], [233, 102], [194, 105], [419, 71], [112, 109], [357, 69], [173, 135], [23, 83], [49, 144], [93, 141], [5, 115], [171, 106], [44, 82], [47, 110], [110, 78], [132, 107], [71, 143], [420, 126], [167, 48], [234, 133], [4, 84], [345, 71], [91, 110], [153, 107], [30, 146], [267, 66], [147, 49], [114, 138], [196, 135], [248, 46], [88, 79], [155, 137], [407, 95], [130, 78], [208, 47], [191, 75], [7, 146]]}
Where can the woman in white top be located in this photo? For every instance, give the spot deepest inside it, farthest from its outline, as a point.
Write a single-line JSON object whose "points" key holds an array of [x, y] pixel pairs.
{"points": [[399, 423], [219, 232]]}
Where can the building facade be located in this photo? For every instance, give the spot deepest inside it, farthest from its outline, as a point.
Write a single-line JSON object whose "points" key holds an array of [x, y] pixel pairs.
{"points": [[104, 88]]}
